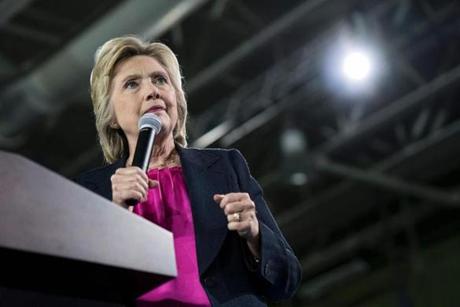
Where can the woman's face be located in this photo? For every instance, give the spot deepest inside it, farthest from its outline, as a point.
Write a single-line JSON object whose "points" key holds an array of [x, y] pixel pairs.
{"points": [[141, 85]]}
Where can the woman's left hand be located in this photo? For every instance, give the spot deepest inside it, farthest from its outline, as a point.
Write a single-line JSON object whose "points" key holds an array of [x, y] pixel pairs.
{"points": [[241, 217]]}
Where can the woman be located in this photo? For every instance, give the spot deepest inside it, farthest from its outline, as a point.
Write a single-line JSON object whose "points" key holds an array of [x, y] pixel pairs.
{"points": [[229, 250]]}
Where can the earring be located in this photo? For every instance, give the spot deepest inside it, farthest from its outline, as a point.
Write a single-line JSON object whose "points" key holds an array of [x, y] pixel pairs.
{"points": [[114, 126]]}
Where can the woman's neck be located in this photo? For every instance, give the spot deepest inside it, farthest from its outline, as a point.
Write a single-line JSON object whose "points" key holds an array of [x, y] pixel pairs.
{"points": [[163, 152]]}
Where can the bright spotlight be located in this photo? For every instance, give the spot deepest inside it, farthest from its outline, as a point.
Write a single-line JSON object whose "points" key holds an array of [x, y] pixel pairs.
{"points": [[356, 66]]}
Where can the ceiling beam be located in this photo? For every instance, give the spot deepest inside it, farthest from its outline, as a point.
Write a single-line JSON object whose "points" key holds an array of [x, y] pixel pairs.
{"points": [[9, 8], [445, 141], [387, 182], [63, 78], [213, 71]]}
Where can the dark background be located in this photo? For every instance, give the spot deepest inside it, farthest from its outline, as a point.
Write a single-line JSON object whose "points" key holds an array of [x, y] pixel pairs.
{"points": [[362, 179]]}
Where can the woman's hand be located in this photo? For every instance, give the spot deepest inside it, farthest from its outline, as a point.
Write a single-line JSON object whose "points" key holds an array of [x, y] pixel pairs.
{"points": [[241, 216], [130, 183]]}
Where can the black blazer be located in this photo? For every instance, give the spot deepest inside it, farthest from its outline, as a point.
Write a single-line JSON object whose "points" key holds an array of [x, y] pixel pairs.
{"points": [[227, 271]]}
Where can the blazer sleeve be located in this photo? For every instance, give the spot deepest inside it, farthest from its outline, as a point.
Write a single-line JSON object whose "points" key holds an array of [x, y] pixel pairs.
{"points": [[279, 270], [97, 181]]}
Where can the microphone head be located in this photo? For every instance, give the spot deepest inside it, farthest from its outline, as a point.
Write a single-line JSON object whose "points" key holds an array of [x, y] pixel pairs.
{"points": [[150, 120]]}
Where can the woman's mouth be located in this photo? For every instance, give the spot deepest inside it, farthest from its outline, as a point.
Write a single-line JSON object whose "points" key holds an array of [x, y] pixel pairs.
{"points": [[156, 109]]}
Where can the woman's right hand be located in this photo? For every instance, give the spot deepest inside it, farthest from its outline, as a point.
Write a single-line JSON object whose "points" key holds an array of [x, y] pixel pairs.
{"points": [[130, 183]]}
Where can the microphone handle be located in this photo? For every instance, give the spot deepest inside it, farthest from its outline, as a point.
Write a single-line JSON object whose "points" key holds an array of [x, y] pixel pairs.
{"points": [[142, 154]]}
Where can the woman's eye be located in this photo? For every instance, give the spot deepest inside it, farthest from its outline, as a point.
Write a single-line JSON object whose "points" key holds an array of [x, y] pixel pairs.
{"points": [[130, 84], [160, 80]]}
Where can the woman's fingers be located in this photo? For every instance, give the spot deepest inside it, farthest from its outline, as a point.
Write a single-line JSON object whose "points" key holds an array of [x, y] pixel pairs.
{"points": [[238, 206], [241, 216], [240, 212], [224, 199], [131, 174], [128, 194], [130, 183], [218, 198]]}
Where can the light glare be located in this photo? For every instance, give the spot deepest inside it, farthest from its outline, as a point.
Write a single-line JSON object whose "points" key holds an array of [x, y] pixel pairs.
{"points": [[356, 66]]}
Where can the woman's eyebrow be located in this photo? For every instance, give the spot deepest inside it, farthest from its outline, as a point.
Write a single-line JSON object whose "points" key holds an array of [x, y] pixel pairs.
{"points": [[156, 72], [138, 76], [131, 76]]}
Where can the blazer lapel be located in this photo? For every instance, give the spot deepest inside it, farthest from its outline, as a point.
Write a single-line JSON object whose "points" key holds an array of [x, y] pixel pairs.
{"points": [[204, 178]]}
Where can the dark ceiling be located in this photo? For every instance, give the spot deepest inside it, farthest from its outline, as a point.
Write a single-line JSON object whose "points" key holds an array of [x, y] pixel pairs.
{"points": [[358, 178]]}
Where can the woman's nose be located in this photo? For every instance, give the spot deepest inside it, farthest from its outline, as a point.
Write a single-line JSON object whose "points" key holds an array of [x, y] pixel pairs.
{"points": [[152, 91], [153, 95]]}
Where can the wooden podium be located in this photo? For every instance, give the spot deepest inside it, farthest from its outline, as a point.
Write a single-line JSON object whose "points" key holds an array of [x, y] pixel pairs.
{"points": [[58, 238]]}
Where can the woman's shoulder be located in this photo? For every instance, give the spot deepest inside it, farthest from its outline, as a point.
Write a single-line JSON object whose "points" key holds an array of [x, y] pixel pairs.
{"points": [[212, 151], [231, 154], [226, 157]]}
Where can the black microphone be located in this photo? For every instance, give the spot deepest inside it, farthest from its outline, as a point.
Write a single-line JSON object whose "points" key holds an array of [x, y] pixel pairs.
{"points": [[149, 127]]}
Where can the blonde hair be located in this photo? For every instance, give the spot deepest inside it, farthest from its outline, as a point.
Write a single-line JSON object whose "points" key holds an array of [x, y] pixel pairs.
{"points": [[112, 140]]}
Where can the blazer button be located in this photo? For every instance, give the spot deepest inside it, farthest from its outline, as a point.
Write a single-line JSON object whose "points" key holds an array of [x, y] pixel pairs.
{"points": [[210, 281]]}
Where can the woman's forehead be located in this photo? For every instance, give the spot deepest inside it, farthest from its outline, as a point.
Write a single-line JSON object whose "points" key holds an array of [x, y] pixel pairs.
{"points": [[138, 65]]}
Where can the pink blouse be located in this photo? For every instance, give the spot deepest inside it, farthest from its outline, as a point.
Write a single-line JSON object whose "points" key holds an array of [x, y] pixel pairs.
{"points": [[168, 206]]}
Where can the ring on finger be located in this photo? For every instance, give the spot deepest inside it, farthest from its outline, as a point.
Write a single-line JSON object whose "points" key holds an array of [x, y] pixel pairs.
{"points": [[236, 216]]}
